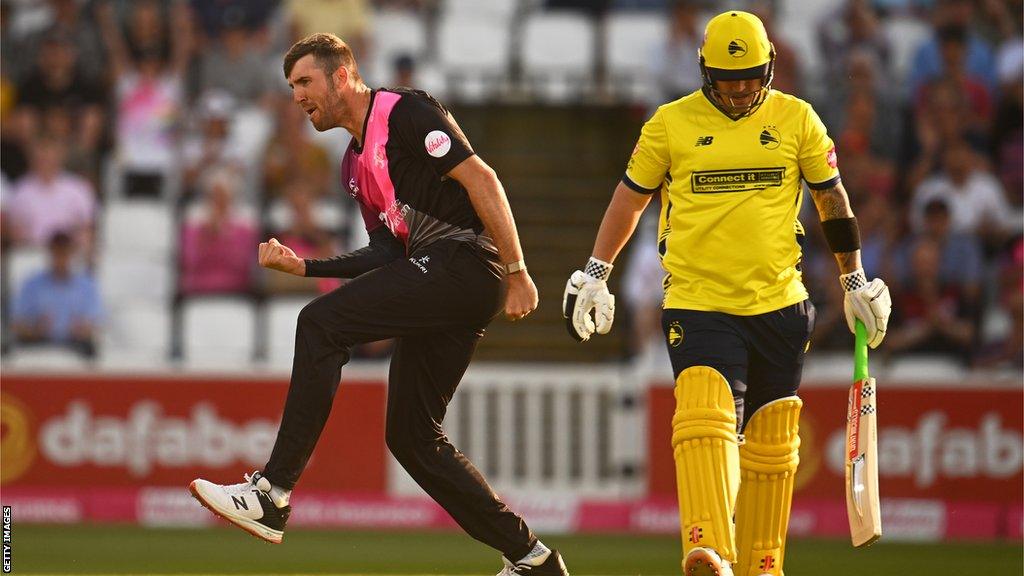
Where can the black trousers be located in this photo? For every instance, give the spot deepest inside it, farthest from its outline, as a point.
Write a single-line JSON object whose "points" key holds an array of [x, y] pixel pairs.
{"points": [[436, 303], [761, 356]]}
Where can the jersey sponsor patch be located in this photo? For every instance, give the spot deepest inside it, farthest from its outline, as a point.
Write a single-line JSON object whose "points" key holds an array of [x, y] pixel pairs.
{"points": [[743, 180], [437, 143], [831, 157]]}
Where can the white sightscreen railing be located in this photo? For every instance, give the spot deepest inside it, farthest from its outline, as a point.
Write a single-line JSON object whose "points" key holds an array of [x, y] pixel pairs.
{"points": [[548, 429]]}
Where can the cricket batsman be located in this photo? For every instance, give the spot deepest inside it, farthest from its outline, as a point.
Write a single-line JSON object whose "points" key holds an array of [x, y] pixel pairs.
{"points": [[444, 259], [728, 161]]}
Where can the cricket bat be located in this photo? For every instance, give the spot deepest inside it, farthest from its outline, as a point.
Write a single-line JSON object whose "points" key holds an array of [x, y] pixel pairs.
{"points": [[862, 501]]}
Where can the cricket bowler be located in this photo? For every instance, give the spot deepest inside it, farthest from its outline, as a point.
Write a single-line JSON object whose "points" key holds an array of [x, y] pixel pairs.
{"points": [[728, 161], [444, 259]]}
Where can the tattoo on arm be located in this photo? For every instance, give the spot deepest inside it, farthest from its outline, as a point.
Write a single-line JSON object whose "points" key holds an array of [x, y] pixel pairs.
{"points": [[833, 203]]}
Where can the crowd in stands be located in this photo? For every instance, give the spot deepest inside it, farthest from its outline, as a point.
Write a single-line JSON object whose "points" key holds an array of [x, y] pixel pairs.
{"points": [[181, 104]]}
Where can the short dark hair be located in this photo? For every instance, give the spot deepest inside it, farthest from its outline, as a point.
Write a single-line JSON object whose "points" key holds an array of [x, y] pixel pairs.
{"points": [[329, 52], [61, 240]]}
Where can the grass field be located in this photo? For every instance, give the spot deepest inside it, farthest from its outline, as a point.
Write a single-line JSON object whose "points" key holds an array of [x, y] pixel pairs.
{"points": [[132, 550]]}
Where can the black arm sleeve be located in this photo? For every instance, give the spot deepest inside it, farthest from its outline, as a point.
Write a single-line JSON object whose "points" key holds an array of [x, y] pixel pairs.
{"points": [[383, 248]]}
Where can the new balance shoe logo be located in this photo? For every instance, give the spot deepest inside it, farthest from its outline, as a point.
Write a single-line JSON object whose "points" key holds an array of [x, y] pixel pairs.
{"points": [[704, 141], [239, 503]]}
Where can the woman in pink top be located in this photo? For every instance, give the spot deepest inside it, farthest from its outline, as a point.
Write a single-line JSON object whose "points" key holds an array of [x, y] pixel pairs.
{"points": [[216, 248]]}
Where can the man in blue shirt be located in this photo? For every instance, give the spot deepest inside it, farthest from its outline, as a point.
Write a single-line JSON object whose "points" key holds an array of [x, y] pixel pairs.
{"points": [[59, 305]]}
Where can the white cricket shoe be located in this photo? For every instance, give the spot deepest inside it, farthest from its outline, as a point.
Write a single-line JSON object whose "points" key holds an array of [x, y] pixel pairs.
{"points": [[705, 562], [246, 505], [553, 566]]}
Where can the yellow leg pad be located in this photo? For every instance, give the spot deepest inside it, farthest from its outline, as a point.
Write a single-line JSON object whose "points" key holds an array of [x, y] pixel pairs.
{"points": [[768, 460], [704, 443]]}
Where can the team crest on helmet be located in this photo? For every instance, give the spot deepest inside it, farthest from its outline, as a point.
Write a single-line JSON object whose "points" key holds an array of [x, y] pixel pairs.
{"points": [[737, 48], [770, 138]]}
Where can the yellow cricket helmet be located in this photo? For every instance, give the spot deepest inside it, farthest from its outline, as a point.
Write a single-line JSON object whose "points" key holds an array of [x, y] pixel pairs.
{"points": [[736, 47]]}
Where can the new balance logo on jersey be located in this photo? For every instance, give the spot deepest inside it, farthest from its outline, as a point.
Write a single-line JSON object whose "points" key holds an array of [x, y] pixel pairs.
{"points": [[704, 141]]}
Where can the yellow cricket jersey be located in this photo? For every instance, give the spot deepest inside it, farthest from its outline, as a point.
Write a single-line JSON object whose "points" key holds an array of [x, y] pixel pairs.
{"points": [[731, 192]]}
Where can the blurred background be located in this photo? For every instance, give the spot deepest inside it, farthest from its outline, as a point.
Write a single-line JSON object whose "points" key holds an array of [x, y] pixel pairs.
{"points": [[146, 147]]}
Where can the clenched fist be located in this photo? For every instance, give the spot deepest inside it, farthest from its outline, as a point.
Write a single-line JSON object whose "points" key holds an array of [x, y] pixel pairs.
{"points": [[277, 256]]}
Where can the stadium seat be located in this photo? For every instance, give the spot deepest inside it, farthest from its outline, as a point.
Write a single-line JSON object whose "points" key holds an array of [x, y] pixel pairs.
{"points": [[395, 32], [218, 333], [46, 358], [905, 35], [630, 39], [329, 214], [23, 263], [136, 334], [925, 368], [137, 227], [558, 51], [281, 314], [497, 9], [473, 52], [197, 211], [132, 277]]}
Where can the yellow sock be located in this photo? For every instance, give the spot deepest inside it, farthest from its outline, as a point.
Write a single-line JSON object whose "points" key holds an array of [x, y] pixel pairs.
{"points": [[704, 443], [768, 461]]}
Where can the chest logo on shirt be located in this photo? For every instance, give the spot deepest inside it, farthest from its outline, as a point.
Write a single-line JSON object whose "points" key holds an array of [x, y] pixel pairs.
{"points": [[353, 187], [743, 180], [437, 143], [770, 138], [704, 141]]}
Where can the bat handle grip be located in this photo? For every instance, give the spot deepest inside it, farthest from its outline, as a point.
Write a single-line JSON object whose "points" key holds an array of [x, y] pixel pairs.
{"points": [[860, 352]]}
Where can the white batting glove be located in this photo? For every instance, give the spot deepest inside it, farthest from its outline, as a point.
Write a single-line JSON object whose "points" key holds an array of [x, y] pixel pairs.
{"points": [[868, 302], [586, 292]]}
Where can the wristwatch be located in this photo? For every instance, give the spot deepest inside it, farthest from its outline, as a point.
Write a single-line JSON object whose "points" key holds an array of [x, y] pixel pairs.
{"points": [[517, 266]]}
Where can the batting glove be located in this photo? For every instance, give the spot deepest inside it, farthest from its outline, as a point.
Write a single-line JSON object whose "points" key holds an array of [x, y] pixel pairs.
{"points": [[587, 306], [868, 302]]}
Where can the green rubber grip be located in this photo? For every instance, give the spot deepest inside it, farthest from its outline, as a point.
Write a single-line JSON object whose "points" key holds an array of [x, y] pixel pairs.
{"points": [[860, 352]]}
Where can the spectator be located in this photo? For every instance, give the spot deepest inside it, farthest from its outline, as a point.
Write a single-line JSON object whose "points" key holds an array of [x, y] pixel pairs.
{"points": [[642, 290], [217, 245], [49, 199], [348, 19], [787, 77], [931, 315], [927, 64], [60, 305], [69, 21], [960, 257], [1008, 126], [233, 65], [1010, 351], [953, 48], [674, 64], [212, 143], [975, 199], [302, 233], [293, 155], [149, 93], [215, 17], [57, 99], [854, 27], [403, 71]]}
